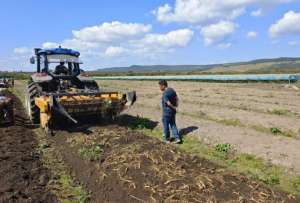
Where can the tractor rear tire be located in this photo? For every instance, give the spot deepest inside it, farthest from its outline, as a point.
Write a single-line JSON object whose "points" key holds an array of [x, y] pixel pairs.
{"points": [[32, 110]]}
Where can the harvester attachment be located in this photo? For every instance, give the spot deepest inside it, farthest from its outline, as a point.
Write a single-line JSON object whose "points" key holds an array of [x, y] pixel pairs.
{"points": [[131, 98], [55, 108]]}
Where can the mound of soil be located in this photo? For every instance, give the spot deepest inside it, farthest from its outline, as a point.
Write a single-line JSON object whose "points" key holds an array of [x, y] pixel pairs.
{"points": [[122, 165], [22, 175]]}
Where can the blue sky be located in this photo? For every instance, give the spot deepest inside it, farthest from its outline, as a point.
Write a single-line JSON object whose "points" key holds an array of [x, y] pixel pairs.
{"points": [[121, 33]]}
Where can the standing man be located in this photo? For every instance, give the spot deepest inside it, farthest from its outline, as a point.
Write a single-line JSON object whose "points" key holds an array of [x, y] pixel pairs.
{"points": [[169, 106]]}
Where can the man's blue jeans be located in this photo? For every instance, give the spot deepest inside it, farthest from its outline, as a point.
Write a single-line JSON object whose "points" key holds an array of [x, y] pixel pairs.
{"points": [[170, 121]]}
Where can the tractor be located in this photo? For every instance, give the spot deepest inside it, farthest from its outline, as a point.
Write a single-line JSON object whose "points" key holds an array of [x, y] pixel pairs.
{"points": [[6, 102], [6, 82], [6, 110], [61, 92]]}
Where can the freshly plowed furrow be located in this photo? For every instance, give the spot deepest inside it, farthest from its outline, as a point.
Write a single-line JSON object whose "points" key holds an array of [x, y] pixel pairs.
{"points": [[23, 178], [132, 167]]}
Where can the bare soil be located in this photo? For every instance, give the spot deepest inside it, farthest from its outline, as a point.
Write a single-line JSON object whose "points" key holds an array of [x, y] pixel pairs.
{"points": [[23, 178], [132, 167]]}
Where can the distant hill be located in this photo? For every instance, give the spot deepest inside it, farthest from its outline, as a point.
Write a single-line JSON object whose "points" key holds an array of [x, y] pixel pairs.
{"points": [[154, 68], [276, 65]]}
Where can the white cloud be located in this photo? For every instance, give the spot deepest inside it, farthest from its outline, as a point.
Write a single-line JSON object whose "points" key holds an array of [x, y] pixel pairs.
{"points": [[81, 45], [117, 39], [207, 11], [257, 13], [287, 25], [176, 38], [22, 51], [197, 11], [153, 45], [115, 51], [91, 39], [216, 33], [251, 35], [111, 32]]}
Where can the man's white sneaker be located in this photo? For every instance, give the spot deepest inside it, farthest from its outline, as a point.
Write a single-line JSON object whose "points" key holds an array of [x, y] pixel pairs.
{"points": [[177, 141]]}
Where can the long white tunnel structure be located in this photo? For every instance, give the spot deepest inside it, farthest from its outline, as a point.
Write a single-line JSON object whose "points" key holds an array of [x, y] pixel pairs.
{"points": [[252, 77]]}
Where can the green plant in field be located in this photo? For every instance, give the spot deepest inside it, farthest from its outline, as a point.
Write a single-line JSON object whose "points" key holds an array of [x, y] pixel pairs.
{"points": [[258, 169], [231, 122], [276, 131], [270, 179], [78, 191], [92, 152], [296, 185], [223, 150], [65, 187], [280, 112]]}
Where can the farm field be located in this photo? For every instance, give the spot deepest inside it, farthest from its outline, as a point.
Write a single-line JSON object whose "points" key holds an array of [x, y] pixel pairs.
{"points": [[104, 162], [85, 104], [262, 119]]}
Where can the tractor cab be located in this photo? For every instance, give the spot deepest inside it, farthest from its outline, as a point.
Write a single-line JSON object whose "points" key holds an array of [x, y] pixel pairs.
{"points": [[58, 69], [58, 61]]}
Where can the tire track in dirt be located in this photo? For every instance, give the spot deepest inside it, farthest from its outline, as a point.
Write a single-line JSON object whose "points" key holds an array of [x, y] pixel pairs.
{"points": [[23, 178]]}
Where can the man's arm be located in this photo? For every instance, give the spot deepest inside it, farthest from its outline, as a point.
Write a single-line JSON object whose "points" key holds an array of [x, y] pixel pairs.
{"points": [[171, 105], [177, 101]]}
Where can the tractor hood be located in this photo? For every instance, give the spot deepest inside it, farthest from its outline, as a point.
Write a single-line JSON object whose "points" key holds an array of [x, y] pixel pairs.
{"points": [[41, 77]]}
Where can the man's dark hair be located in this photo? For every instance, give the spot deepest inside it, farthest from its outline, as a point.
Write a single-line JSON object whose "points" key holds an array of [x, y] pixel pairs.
{"points": [[163, 82]]}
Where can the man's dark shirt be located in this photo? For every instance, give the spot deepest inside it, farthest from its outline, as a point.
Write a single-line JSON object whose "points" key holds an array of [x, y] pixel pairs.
{"points": [[61, 69], [169, 95]]}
